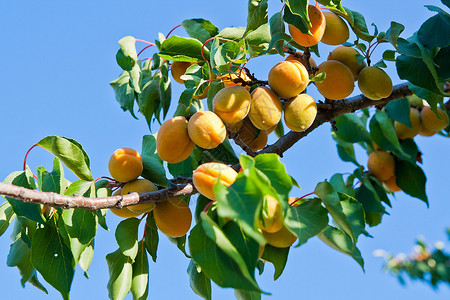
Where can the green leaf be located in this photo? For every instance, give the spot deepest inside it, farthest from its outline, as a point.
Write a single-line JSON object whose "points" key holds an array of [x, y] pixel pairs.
{"points": [[257, 14], [185, 167], [199, 281], [306, 220], [223, 153], [411, 179], [86, 256], [71, 153], [259, 40], [183, 49], [51, 182], [435, 32], [154, 170], [126, 237], [180, 242], [232, 33], [369, 200], [151, 237], [357, 23], [79, 187], [443, 64], [277, 33], [346, 151], [246, 295], [120, 275], [354, 212], [337, 181], [124, 92], [149, 100], [383, 132], [333, 4], [53, 259], [389, 55], [351, 129], [277, 256], [398, 110], [139, 281], [127, 56], [200, 29], [299, 9], [393, 33], [6, 216]]}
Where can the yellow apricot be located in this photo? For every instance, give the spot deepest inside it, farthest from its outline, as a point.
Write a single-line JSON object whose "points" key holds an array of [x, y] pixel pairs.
{"points": [[317, 29], [374, 83], [431, 122], [125, 164], [251, 136], [405, 132], [172, 142], [237, 126], [288, 78], [232, 104], [272, 219], [414, 100], [281, 239], [206, 129], [301, 60], [123, 212], [300, 112], [381, 164], [207, 175], [347, 56], [265, 108], [426, 132], [139, 186], [391, 184], [338, 83], [336, 30], [178, 69], [173, 217]]}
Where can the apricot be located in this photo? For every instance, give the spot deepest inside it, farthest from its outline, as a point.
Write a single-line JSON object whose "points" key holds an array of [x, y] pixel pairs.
{"points": [[229, 82], [405, 132], [281, 239], [139, 186], [374, 83], [391, 184], [338, 83], [251, 136], [206, 129], [265, 108], [288, 78], [123, 212], [348, 56], [272, 219], [232, 104], [125, 164], [317, 28], [300, 112], [173, 143], [178, 69], [208, 174], [426, 132], [415, 101], [173, 217], [336, 30], [431, 122], [301, 60], [381, 164]]}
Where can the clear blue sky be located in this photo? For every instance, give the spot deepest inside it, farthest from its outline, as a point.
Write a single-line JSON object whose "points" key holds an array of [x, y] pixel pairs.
{"points": [[57, 59]]}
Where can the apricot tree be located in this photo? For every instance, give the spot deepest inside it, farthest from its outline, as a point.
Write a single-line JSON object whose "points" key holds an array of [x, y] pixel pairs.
{"points": [[245, 215]]}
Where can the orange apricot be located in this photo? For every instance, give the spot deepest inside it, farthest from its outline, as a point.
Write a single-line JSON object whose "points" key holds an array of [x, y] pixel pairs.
{"points": [[374, 83], [348, 56], [228, 79], [405, 132], [338, 83], [232, 104], [206, 129], [391, 184], [172, 142], [300, 112], [139, 186], [125, 164], [431, 122], [123, 212], [178, 69], [288, 78], [317, 29], [208, 174], [381, 164], [426, 132], [173, 217], [336, 30], [281, 239], [265, 108], [253, 137], [302, 60]]}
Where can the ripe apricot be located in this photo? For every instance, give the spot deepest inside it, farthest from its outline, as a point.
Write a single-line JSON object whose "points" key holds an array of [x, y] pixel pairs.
{"points": [[253, 137], [426, 132], [228, 79], [272, 219], [139, 186], [431, 122], [172, 142], [317, 28], [173, 217], [206, 129], [348, 56], [405, 132], [232, 104], [391, 184], [125, 164], [301, 60], [281, 239], [374, 83], [265, 108], [178, 69], [300, 112], [288, 78], [336, 30], [338, 83], [123, 212], [381, 164], [207, 175]]}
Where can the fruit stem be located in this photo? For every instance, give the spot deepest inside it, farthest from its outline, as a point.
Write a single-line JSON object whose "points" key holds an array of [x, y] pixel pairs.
{"points": [[205, 210], [300, 198], [104, 177], [26, 155], [144, 41], [148, 46], [172, 30]]}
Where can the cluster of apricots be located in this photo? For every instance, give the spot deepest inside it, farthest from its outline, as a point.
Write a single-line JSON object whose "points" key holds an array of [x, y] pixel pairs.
{"points": [[381, 164], [173, 216]]}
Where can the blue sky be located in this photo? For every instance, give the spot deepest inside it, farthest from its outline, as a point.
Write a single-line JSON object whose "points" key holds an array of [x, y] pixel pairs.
{"points": [[58, 58]]}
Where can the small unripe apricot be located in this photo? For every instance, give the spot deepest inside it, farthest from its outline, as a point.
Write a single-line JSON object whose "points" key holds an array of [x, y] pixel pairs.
{"points": [[374, 83], [301, 60], [265, 108], [281, 239], [253, 137], [317, 28], [405, 132], [206, 129], [207, 175], [338, 83], [381, 164], [232, 104], [272, 215], [431, 122], [172, 142], [336, 30], [288, 78], [139, 186], [178, 69], [300, 112], [348, 56], [125, 164], [173, 217], [391, 184]]}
